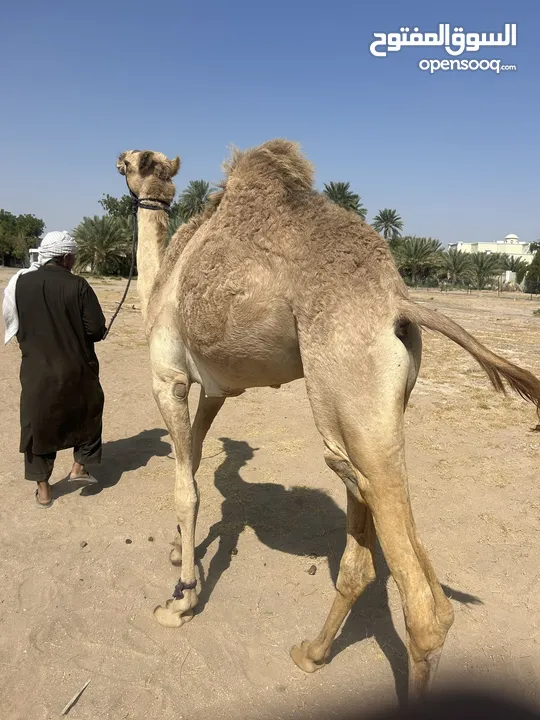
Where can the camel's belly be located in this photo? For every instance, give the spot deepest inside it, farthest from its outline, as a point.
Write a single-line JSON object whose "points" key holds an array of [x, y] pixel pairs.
{"points": [[238, 326], [257, 356], [222, 377]]}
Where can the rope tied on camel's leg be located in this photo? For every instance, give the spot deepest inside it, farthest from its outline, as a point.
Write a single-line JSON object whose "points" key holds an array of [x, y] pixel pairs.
{"points": [[178, 592]]}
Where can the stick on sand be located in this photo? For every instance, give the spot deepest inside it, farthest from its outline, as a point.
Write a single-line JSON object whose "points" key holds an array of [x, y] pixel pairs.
{"points": [[74, 699]]}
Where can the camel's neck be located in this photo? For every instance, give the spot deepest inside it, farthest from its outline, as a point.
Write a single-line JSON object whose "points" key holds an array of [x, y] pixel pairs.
{"points": [[153, 227]]}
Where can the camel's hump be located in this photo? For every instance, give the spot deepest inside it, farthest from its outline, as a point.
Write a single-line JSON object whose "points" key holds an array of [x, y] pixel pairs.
{"points": [[277, 159]]}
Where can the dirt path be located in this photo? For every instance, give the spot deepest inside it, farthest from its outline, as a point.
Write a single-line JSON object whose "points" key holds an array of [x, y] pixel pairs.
{"points": [[78, 583]]}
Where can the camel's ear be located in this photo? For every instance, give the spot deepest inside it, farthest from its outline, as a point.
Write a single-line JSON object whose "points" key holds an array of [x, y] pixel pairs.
{"points": [[175, 166], [146, 159]]}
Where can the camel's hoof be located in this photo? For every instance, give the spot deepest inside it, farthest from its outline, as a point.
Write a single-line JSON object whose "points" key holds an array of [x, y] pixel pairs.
{"points": [[175, 556], [300, 658], [168, 618]]}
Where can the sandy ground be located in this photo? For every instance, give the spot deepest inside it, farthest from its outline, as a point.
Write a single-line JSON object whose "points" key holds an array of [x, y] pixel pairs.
{"points": [[78, 582]]}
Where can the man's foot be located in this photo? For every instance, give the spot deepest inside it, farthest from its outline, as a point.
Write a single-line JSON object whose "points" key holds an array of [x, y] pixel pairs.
{"points": [[79, 472], [44, 494]]}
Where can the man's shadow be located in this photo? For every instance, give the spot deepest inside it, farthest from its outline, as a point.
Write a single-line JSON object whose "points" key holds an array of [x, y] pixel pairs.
{"points": [[306, 522], [119, 457]]}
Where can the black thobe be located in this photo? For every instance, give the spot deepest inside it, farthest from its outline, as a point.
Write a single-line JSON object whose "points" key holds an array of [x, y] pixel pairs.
{"points": [[60, 319]]}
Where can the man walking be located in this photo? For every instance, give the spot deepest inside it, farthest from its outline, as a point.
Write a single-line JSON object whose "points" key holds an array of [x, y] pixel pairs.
{"points": [[56, 318]]}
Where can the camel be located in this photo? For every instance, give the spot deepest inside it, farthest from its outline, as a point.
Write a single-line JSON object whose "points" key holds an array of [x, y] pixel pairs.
{"points": [[272, 283]]}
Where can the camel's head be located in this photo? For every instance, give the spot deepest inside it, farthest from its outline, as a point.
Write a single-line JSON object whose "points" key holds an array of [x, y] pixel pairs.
{"points": [[149, 174]]}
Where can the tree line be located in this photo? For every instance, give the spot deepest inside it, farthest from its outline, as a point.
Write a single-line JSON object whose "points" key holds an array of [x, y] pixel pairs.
{"points": [[18, 233], [105, 241], [423, 261]]}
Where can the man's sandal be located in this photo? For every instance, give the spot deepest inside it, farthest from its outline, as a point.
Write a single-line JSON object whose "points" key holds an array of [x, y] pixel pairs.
{"points": [[43, 505], [90, 479]]}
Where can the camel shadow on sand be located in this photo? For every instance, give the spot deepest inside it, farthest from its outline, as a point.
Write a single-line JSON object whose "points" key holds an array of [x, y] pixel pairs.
{"points": [[306, 522]]}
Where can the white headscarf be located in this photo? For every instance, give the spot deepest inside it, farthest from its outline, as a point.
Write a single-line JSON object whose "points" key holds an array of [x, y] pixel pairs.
{"points": [[54, 245]]}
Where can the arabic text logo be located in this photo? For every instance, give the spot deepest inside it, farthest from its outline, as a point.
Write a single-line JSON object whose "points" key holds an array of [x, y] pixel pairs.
{"points": [[454, 43]]}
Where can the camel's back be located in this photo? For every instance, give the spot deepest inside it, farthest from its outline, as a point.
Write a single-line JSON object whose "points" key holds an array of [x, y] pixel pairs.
{"points": [[253, 257], [277, 253]]}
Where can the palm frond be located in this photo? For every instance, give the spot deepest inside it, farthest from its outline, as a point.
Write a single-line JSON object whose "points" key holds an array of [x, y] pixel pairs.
{"points": [[341, 194], [485, 268], [193, 199], [389, 223], [104, 244]]}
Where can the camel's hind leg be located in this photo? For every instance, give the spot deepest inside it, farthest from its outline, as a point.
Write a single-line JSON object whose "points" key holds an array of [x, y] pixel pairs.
{"points": [[356, 572], [358, 401], [207, 410]]}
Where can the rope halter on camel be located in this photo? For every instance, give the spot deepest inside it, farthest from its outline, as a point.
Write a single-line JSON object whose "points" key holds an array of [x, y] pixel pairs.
{"points": [[136, 203]]}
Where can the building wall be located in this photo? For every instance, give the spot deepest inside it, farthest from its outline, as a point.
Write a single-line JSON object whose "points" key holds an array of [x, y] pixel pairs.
{"points": [[517, 250]]}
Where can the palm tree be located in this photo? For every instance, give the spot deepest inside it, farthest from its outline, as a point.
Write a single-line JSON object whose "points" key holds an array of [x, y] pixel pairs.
{"points": [[103, 244], [457, 265], [175, 221], [485, 268], [515, 265], [417, 254], [389, 223], [341, 194], [193, 199], [532, 279], [22, 244]]}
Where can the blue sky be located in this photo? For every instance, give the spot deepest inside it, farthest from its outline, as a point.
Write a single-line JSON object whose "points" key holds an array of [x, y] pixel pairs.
{"points": [[456, 153]]}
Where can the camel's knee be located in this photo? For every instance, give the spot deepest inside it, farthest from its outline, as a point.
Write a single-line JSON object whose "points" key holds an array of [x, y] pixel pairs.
{"points": [[343, 468], [170, 386], [444, 610], [357, 567], [427, 631], [180, 389], [187, 504], [359, 472], [352, 582]]}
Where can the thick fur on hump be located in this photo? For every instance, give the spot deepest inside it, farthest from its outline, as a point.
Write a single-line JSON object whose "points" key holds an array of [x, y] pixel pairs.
{"points": [[276, 160]]}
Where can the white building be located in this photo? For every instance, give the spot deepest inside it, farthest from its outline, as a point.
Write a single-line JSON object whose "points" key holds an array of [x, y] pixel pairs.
{"points": [[511, 245]]}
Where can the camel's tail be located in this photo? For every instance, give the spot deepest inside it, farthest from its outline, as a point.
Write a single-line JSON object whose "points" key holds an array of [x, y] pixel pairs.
{"points": [[496, 367]]}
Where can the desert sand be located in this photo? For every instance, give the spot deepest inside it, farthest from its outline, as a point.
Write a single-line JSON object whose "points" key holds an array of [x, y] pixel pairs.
{"points": [[79, 581]]}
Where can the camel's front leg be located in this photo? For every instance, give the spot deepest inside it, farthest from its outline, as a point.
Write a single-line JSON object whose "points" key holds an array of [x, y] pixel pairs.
{"points": [[206, 412], [171, 390]]}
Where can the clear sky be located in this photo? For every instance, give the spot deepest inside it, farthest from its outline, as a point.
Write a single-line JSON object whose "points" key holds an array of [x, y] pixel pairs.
{"points": [[456, 153]]}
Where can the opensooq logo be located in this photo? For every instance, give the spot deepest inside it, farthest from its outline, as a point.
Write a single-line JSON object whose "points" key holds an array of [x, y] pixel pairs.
{"points": [[454, 43]]}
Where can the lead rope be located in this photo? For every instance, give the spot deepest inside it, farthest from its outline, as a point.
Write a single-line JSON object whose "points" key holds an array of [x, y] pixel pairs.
{"points": [[135, 205]]}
